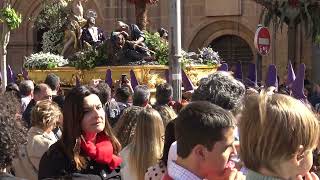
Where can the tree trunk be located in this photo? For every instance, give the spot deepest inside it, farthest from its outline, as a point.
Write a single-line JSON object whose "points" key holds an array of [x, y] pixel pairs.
{"points": [[292, 43], [5, 36], [141, 14]]}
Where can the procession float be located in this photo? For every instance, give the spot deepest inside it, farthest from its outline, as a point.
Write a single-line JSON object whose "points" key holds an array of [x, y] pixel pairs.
{"points": [[77, 50]]}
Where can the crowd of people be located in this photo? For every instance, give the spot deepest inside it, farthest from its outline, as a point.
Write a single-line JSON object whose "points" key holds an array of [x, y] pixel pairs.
{"points": [[225, 130]]}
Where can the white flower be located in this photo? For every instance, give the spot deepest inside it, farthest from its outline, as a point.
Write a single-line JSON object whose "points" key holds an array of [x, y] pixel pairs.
{"points": [[44, 61]]}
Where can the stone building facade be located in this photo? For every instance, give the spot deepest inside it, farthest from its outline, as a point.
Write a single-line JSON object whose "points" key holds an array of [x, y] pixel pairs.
{"points": [[226, 25]]}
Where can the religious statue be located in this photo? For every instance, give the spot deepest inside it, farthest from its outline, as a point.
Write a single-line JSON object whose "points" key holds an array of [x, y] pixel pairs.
{"points": [[72, 29], [92, 35], [121, 52], [134, 37], [164, 34], [70, 41], [77, 11]]}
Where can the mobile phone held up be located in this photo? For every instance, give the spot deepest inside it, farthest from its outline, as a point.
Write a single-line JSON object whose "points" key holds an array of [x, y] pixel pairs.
{"points": [[124, 79]]}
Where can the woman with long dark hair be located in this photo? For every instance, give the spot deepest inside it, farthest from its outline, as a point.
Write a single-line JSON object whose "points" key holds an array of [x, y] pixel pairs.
{"points": [[88, 145]]}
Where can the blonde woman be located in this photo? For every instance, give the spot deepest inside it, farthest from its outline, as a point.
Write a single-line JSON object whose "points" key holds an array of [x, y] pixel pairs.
{"points": [[44, 117], [146, 147], [278, 134]]}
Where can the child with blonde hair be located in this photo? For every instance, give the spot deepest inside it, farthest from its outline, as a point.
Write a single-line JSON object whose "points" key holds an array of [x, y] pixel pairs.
{"points": [[278, 135]]}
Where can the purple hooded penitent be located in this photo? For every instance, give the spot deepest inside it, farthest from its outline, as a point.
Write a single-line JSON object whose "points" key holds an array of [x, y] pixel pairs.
{"points": [[134, 81], [272, 77], [251, 80], [108, 79], [291, 75], [25, 74], [187, 84], [10, 75], [223, 67], [298, 84], [78, 81], [238, 73]]}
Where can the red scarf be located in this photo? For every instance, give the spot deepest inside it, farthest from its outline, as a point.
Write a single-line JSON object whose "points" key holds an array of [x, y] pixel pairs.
{"points": [[101, 151]]}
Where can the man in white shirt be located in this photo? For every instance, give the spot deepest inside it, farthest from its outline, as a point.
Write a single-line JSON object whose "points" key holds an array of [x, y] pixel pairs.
{"points": [[205, 143], [26, 90]]}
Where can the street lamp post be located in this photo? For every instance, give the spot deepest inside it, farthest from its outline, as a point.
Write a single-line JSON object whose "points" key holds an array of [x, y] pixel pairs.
{"points": [[175, 48]]}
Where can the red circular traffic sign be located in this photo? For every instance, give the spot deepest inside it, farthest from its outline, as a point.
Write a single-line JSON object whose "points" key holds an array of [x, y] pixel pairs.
{"points": [[262, 40]]}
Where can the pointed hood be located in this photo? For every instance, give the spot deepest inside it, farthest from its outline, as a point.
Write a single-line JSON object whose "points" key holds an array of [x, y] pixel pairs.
{"points": [[78, 83], [298, 84], [134, 81], [291, 75], [10, 75], [251, 80], [272, 77], [186, 82], [223, 67], [25, 74], [238, 73], [108, 79]]}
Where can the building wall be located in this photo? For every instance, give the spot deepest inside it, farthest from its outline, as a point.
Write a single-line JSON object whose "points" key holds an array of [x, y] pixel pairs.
{"points": [[202, 22]]}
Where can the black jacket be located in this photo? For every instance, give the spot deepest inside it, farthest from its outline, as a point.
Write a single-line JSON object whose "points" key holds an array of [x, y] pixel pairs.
{"points": [[26, 116], [54, 163], [87, 37]]}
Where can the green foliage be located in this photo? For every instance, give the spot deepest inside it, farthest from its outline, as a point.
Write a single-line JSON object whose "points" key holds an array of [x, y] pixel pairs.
{"points": [[85, 60], [11, 17], [53, 18], [281, 12], [51, 41], [159, 46], [102, 57]]}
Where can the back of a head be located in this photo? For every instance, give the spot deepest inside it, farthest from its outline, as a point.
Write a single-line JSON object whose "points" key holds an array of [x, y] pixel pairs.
{"points": [[42, 91], [12, 88], [53, 81], [147, 141], [12, 133], [273, 128], [26, 87], [39, 88], [103, 91], [122, 94], [167, 113], [221, 89], [141, 95], [164, 93], [149, 128], [45, 114], [201, 123], [125, 127]]}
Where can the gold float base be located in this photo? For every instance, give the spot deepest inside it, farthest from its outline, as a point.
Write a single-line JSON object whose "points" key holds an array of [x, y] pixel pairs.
{"points": [[145, 74]]}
